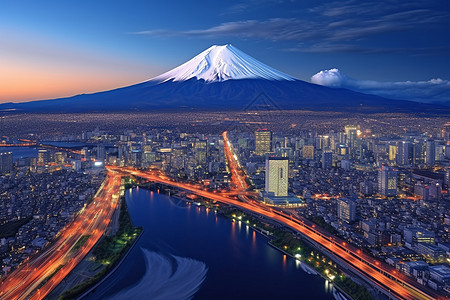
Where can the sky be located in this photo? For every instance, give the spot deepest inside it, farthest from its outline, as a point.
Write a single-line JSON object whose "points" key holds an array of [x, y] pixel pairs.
{"points": [[396, 48]]}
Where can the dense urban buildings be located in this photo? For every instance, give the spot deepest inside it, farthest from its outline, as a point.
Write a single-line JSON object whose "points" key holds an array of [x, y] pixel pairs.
{"points": [[383, 192]]}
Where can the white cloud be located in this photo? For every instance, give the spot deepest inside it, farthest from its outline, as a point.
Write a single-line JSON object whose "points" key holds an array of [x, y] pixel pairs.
{"points": [[433, 90]]}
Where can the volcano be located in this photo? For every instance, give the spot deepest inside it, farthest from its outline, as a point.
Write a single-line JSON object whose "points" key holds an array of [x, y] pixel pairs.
{"points": [[224, 78]]}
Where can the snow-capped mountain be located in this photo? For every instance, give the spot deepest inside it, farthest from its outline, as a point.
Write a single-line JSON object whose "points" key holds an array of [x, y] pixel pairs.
{"points": [[220, 63], [223, 78]]}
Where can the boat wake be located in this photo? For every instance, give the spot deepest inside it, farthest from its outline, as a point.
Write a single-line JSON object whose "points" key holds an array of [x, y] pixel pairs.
{"points": [[166, 278], [308, 269]]}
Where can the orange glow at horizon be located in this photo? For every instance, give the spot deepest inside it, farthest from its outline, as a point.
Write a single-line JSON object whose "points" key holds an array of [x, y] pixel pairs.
{"points": [[40, 68], [21, 83]]}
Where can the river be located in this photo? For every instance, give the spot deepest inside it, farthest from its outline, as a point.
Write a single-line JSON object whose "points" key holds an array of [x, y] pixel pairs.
{"points": [[188, 251]]}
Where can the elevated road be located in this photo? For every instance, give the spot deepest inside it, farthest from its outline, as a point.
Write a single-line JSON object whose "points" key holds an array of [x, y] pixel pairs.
{"points": [[35, 278], [382, 275]]}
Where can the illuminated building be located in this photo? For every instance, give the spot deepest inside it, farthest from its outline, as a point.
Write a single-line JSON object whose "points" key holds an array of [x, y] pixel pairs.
{"points": [[263, 141], [387, 181], [351, 133], [60, 158], [393, 150], [346, 210], [43, 157], [277, 176], [308, 152]]}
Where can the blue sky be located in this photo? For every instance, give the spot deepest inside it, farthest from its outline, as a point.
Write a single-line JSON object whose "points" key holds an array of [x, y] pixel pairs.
{"points": [[61, 48]]}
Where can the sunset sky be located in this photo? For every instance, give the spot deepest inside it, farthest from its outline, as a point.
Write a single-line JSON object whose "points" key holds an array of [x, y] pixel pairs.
{"points": [[51, 49]]}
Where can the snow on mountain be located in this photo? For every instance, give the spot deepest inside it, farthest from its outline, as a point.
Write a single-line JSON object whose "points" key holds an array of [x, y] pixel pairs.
{"points": [[221, 63]]}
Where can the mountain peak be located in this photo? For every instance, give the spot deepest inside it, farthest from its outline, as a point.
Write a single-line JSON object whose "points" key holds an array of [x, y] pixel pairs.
{"points": [[221, 63]]}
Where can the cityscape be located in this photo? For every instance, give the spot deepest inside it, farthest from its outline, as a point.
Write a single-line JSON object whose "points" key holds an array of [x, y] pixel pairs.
{"points": [[382, 193], [219, 151]]}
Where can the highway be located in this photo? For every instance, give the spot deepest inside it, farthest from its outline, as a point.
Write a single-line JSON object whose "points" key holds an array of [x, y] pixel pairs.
{"points": [[382, 275], [30, 279], [238, 177], [379, 273]]}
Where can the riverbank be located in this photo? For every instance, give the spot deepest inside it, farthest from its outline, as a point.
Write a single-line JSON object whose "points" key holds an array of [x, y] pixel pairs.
{"points": [[280, 237], [105, 257]]}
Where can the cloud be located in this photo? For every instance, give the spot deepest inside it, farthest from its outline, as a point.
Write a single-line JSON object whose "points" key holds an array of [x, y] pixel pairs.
{"points": [[434, 90], [342, 25]]}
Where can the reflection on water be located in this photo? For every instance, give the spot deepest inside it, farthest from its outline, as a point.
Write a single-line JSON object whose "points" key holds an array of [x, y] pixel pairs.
{"points": [[181, 240], [166, 278]]}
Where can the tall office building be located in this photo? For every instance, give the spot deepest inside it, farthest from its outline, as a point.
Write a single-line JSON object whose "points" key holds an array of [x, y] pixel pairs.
{"points": [[277, 176], [446, 132], [430, 153], [60, 158], [405, 153], [263, 141], [43, 157], [346, 210], [308, 152], [327, 159], [101, 152], [6, 162], [393, 151], [351, 133], [387, 181]]}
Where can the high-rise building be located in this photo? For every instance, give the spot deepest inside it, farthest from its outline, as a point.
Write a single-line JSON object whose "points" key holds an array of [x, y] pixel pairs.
{"points": [[430, 153], [43, 157], [446, 132], [387, 181], [308, 152], [85, 155], [346, 210], [6, 162], [351, 133], [101, 152], [393, 150], [60, 158], [277, 176], [327, 159], [263, 141], [405, 153]]}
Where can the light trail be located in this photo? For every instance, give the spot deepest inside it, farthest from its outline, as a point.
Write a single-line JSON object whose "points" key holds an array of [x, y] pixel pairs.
{"points": [[238, 177], [379, 273], [29, 280]]}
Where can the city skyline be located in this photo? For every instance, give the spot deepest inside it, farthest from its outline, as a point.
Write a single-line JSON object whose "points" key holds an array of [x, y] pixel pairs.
{"points": [[53, 50]]}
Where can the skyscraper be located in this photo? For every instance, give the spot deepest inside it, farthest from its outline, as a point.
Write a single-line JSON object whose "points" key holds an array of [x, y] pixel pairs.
{"points": [[101, 152], [6, 162], [351, 133], [263, 141], [387, 181], [327, 159], [446, 132], [43, 157], [277, 176], [405, 149], [393, 151], [430, 153], [308, 152]]}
